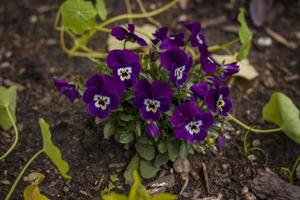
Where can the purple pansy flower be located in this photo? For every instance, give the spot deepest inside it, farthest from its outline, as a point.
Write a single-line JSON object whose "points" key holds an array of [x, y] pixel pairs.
{"points": [[190, 123], [121, 33], [66, 88], [125, 65], [159, 35], [196, 35], [208, 64], [152, 129], [178, 63], [220, 142], [174, 40], [200, 89], [102, 95], [152, 99], [231, 68], [217, 100]]}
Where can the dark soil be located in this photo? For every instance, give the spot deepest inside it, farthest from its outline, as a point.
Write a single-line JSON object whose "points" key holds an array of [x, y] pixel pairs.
{"points": [[27, 33]]}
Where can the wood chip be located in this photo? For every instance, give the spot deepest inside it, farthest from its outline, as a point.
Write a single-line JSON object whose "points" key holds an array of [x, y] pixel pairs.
{"points": [[279, 38]]}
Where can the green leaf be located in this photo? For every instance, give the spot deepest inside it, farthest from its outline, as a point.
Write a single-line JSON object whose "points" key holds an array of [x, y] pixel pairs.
{"points": [[173, 148], [245, 36], [144, 31], [138, 191], [147, 169], [109, 129], [146, 151], [101, 8], [138, 128], [78, 15], [161, 159], [144, 139], [282, 111], [32, 192], [114, 196], [133, 165], [184, 150], [8, 98], [52, 151], [126, 137], [164, 196], [162, 146]]}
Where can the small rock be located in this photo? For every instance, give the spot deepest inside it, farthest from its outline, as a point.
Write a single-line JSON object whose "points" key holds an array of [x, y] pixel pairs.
{"points": [[8, 54], [182, 165], [225, 167], [33, 19], [66, 189], [268, 80], [51, 42], [256, 143], [5, 65], [165, 181], [251, 157], [183, 4], [5, 182], [264, 41], [182, 17]]}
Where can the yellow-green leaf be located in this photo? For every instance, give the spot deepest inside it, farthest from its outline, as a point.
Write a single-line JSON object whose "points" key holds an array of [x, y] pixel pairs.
{"points": [[138, 191], [282, 111], [245, 36], [52, 151], [101, 8], [32, 192], [8, 98], [164, 196], [114, 196], [78, 15]]}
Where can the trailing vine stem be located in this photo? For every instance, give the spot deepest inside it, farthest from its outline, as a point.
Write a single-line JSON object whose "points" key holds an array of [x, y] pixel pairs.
{"points": [[292, 173], [16, 134], [252, 129], [101, 27], [13, 187]]}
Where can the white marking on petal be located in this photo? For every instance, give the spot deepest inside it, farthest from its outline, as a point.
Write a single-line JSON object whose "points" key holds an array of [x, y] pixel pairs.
{"points": [[193, 127], [152, 105], [124, 73], [101, 101], [179, 72]]}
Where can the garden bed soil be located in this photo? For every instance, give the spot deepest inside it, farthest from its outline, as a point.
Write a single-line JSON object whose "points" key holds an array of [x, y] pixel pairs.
{"points": [[30, 55]]}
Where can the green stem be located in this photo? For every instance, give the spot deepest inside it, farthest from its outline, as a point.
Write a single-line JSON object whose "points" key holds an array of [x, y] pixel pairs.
{"points": [[138, 15], [129, 10], [292, 173], [252, 129], [16, 133], [223, 46], [8, 196]]}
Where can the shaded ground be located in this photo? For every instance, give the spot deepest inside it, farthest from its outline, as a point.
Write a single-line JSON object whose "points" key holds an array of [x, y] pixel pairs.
{"points": [[30, 56]]}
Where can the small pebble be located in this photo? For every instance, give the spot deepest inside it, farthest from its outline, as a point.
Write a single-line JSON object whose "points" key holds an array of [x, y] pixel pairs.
{"points": [[256, 143], [33, 19], [264, 41], [251, 157]]}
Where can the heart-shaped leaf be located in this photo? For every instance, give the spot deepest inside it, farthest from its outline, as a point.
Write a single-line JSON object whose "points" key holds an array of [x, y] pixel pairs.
{"points": [[8, 100], [101, 8], [78, 15], [147, 169], [52, 151], [146, 151], [245, 36], [282, 111]]}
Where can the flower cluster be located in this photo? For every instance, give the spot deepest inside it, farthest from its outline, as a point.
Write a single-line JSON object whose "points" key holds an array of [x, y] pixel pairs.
{"points": [[190, 93]]}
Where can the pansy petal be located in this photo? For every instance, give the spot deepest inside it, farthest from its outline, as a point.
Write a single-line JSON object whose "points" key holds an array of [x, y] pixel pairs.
{"points": [[199, 137], [140, 40], [221, 142], [200, 89], [138, 100], [97, 112], [181, 133], [159, 89], [142, 86], [96, 81], [149, 115], [131, 27], [165, 103], [114, 101], [224, 91], [89, 94], [119, 32], [173, 56], [211, 99], [207, 120], [60, 84], [226, 108], [136, 67], [160, 35], [208, 64], [152, 129], [120, 57], [111, 84]]}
